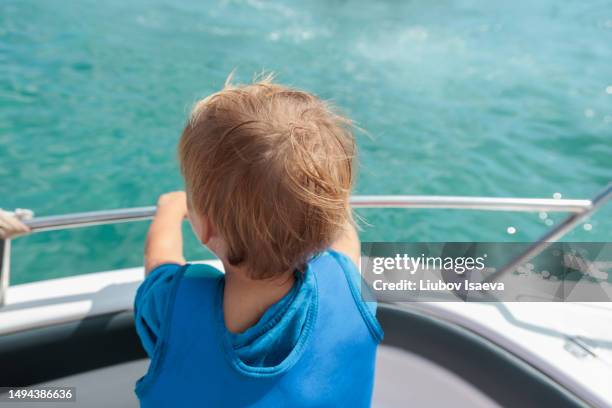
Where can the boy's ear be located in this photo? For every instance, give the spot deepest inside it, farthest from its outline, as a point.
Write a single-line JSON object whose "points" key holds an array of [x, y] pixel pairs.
{"points": [[207, 230]]}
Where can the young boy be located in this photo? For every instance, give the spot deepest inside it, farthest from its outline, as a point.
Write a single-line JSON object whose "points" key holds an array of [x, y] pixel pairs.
{"points": [[268, 173]]}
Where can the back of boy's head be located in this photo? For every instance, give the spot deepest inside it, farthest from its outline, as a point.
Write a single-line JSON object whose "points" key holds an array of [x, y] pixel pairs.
{"points": [[272, 168]]}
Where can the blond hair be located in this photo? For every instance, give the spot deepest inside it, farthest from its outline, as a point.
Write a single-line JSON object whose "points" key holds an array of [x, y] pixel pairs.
{"points": [[272, 168]]}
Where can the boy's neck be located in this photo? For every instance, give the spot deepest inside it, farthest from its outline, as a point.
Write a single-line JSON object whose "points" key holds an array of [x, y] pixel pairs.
{"points": [[245, 299]]}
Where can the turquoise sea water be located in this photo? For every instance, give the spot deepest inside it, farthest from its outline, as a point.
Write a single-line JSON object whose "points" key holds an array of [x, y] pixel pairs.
{"points": [[459, 98]]}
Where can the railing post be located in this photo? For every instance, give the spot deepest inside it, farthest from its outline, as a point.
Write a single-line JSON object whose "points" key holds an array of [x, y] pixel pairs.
{"points": [[553, 235], [5, 268]]}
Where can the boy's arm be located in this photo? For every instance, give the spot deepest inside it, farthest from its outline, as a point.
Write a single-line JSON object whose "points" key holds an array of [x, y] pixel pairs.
{"points": [[348, 243], [165, 239]]}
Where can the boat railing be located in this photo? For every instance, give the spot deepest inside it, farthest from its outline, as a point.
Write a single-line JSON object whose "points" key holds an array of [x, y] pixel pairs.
{"points": [[578, 209]]}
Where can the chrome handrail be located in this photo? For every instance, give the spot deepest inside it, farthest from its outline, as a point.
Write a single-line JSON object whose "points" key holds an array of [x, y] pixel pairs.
{"points": [[88, 219], [579, 209], [75, 220]]}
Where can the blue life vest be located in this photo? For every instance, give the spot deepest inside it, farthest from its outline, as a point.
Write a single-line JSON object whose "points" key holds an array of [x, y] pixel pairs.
{"points": [[331, 365]]}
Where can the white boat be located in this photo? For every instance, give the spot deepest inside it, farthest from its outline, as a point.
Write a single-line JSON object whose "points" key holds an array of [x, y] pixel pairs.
{"points": [[78, 331]]}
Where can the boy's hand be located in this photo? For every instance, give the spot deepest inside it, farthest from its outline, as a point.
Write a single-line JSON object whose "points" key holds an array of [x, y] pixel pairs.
{"points": [[173, 203], [11, 225]]}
